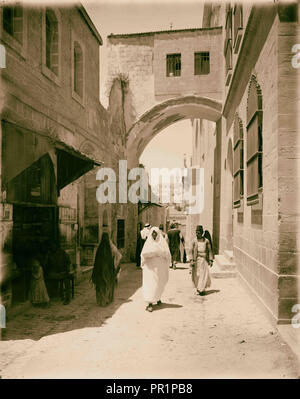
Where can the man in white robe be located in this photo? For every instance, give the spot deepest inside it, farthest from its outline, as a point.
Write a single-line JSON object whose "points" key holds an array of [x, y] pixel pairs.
{"points": [[155, 261]]}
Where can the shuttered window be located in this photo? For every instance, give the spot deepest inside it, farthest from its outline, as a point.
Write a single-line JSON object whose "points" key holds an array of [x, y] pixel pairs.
{"points": [[52, 50], [228, 41], [254, 142], [13, 21], [78, 69], [237, 21], [201, 63], [238, 162]]}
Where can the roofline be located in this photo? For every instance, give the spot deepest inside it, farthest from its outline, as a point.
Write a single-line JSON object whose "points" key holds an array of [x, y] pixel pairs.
{"points": [[119, 35], [90, 23]]}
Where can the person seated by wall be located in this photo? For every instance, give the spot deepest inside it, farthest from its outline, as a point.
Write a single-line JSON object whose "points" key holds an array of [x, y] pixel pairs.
{"points": [[38, 294], [58, 267]]}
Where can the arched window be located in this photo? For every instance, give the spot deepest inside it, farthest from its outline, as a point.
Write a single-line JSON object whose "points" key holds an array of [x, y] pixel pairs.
{"points": [[238, 161], [254, 142], [52, 38], [78, 69], [12, 17]]}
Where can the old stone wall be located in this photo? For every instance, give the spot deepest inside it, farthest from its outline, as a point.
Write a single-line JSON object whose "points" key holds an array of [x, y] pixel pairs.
{"points": [[131, 57], [46, 105], [226, 186], [187, 43], [25, 80], [204, 145], [155, 215], [256, 245], [288, 172], [141, 59]]}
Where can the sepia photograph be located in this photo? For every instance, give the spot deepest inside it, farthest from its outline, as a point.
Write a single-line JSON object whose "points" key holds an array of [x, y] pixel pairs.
{"points": [[150, 192]]}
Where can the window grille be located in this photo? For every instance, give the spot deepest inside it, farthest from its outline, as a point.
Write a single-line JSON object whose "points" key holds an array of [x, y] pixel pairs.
{"points": [[201, 63], [173, 65]]}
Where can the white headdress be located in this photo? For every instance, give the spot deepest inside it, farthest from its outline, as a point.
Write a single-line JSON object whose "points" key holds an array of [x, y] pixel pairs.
{"points": [[157, 247]]}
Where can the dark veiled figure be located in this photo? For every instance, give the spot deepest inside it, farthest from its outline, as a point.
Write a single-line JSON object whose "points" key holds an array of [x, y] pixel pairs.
{"points": [[139, 246], [174, 243], [208, 236], [104, 276]]}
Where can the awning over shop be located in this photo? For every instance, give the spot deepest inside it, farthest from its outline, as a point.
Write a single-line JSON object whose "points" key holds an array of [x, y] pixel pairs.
{"points": [[71, 165], [22, 148]]}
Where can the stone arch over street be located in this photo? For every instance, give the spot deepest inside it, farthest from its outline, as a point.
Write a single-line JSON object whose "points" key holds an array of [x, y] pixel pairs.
{"points": [[164, 114]]}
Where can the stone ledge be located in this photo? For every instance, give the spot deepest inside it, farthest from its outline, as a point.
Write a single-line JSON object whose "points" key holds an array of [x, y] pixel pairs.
{"points": [[217, 272], [291, 336], [224, 264]]}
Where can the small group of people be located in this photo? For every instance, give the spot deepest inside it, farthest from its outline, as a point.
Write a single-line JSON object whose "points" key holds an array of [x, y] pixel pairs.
{"points": [[157, 254], [156, 251], [174, 239], [55, 265]]}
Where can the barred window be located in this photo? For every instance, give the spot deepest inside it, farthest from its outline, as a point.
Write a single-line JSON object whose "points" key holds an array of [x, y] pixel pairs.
{"points": [[201, 63], [254, 142], [173, 65], [121, 233], [238, 162], [13, 21]]}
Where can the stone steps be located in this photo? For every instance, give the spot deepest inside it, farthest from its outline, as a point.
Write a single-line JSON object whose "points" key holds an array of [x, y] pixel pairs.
{"points": [[229, 255], [224, 266], [216, 272]]}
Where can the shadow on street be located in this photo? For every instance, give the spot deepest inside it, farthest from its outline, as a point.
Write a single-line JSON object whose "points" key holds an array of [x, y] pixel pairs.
{"points": [[166, 306], [83, 311], [208, 292]]}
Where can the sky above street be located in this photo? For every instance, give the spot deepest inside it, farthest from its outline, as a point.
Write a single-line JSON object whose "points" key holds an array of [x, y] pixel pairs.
{"points": [[167, 149]]}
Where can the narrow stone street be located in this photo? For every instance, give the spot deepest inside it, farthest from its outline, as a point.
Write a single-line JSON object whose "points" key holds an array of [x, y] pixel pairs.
{"points": [[221, 335]]}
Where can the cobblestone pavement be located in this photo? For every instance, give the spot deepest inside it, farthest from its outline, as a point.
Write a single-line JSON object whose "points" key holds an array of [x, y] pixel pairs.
{"points": [[221, 335]]}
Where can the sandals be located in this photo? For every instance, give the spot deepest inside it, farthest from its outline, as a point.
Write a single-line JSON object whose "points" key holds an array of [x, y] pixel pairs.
{"points": [[149, 308], [158, 302]]}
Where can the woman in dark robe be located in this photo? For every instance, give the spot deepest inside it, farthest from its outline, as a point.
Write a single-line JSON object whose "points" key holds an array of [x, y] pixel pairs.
{"points": [[104, 274], [139, 246], [207, 235]]}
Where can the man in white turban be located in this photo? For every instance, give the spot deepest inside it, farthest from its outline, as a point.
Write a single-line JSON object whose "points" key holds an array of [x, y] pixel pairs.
{"points": [[146, 231], [155, 261]]}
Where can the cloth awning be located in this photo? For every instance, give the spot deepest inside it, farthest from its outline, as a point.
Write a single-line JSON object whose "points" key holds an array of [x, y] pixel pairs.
{"points": [[22, 148], [71, 166]]}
